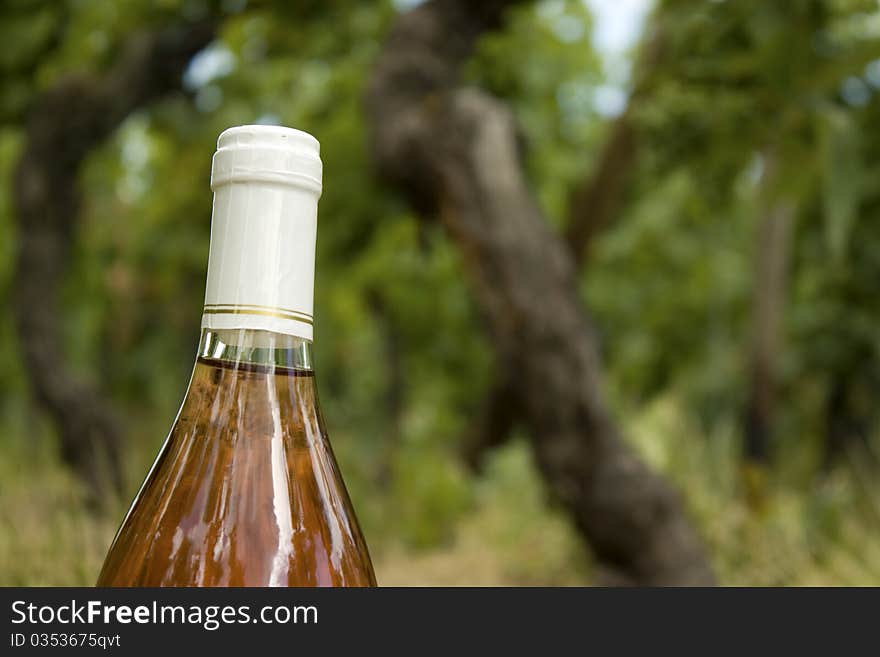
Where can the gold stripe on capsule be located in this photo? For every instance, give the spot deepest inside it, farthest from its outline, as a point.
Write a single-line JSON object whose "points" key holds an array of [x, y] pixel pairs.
{"points": [[256, 305], [258, 310]]}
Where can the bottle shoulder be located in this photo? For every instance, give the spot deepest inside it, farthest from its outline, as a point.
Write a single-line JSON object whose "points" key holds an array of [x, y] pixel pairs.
{"points": [[246, 491]]}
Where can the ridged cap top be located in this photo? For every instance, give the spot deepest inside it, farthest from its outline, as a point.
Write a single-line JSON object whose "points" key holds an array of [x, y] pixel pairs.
{"points": [[267, 153]]}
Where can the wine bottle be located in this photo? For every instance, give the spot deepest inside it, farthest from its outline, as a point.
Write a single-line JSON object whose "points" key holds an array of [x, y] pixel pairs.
{"points": [[245, 490]]}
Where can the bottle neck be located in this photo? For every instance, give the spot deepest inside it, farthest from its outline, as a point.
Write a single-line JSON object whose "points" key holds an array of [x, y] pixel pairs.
{"points": [[261, 264], [265, 349]]}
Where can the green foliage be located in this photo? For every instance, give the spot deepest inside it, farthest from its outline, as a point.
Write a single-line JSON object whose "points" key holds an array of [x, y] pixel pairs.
{"points": [[807, 532], [670, 283], [544, 65]]}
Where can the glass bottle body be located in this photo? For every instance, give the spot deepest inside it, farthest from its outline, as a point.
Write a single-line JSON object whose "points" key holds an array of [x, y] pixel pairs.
{"points": [[246, 490]]}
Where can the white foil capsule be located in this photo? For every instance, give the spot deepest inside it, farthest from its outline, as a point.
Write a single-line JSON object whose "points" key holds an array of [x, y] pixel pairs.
{"points": [[261, 267]]}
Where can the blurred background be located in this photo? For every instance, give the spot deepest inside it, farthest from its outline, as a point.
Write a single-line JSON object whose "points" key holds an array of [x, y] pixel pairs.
{"points": [[710, 170]]}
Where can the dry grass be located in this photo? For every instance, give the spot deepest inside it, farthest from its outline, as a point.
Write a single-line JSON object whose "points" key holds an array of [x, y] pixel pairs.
{"points": [[824, 532]]}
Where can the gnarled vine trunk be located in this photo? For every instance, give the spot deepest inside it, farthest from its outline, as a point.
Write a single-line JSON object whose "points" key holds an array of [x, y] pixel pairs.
{"points": [[63, 125], [453, 152]]}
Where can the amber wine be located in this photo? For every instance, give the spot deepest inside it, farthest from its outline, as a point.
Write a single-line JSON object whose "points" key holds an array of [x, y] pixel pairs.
{"points": [[246, 491]]}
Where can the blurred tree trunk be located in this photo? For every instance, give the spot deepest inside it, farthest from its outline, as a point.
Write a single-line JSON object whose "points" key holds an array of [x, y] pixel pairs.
{"points": [[848, 418], [63, 125], [597, 201], [772, 248], [594, 205], [453, 152]]}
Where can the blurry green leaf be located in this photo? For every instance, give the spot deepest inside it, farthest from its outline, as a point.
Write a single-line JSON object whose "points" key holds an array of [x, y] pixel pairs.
{"points": [[842, 178]]}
